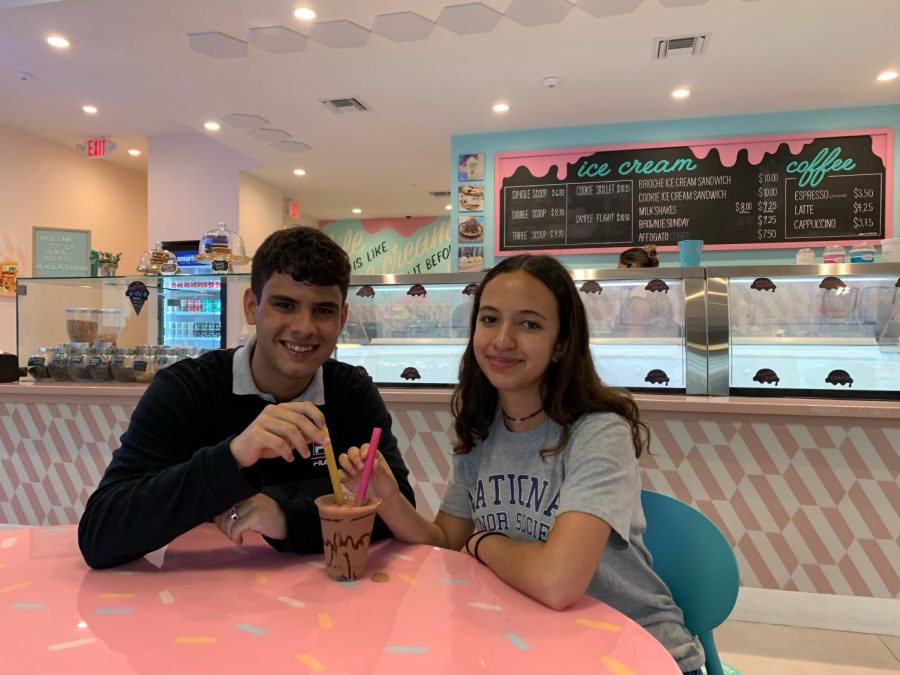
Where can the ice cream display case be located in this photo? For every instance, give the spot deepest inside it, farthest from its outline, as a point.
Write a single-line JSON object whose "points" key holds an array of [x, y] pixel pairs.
{"points": [[807, 330], [412, 330]]}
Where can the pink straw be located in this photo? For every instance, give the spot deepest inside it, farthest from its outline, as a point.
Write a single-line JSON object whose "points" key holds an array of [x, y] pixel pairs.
{"points": [[367, 468]]}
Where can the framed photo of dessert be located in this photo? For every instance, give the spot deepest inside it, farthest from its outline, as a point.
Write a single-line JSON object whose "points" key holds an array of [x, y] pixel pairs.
{"points": [[471, 258], [471, 229], [471, 197], [470, 166]]}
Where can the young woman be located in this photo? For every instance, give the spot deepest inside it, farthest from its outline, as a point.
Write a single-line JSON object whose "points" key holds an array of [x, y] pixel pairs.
{"points": [[545, 487]]}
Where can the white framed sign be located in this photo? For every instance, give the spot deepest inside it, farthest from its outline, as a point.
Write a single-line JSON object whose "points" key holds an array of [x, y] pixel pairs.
{"points": [[58, 252]]}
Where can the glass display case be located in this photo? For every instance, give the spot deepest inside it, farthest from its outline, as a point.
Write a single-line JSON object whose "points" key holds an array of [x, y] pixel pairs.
{"points": [[810, 330], [99, 313], [412, 330]]}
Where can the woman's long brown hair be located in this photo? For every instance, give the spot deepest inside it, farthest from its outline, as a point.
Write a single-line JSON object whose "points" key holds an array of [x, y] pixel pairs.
{"points": [[571, 385]]}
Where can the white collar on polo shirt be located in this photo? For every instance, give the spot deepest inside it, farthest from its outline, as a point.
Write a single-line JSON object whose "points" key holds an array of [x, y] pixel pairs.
{"points": [[242, 383]]}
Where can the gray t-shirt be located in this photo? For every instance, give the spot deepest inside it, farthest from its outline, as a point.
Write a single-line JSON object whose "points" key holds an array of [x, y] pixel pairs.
{"points": [[503, 485]]}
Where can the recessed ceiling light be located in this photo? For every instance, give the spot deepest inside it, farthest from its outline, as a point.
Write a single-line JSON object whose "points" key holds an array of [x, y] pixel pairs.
{"points": [[887, 76], [449, 207], [357, 210], [304, 14], [134, 152], [501, 107], [89, 109], [58, 41], [299, 172], [681, 93], [211, 126]]}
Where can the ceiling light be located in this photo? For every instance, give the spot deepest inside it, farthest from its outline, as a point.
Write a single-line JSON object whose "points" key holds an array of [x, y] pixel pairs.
{"points": [[449, 207], [89, 109], [134, 152], [887, 76], [304, 14], [211, 126], [681, 93], [357, 210], [299, 172], [58, 41], [501, 107]]}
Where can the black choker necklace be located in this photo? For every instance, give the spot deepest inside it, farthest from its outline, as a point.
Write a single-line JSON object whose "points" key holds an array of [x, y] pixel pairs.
{"points": [[522, 419]]}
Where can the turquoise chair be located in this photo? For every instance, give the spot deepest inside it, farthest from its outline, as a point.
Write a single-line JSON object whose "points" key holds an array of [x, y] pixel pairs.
{"points": [[697, 563]]}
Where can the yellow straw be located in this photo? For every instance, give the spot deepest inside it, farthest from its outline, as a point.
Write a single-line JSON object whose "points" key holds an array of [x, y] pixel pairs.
{"points": [[333, 472]]}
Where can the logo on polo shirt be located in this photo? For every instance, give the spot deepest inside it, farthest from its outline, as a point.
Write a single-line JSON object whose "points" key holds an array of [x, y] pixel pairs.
{"points": [[317, 454]]}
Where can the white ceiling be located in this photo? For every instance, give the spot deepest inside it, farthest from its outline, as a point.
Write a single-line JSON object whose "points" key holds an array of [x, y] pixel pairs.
{"points": [[132, 60]]}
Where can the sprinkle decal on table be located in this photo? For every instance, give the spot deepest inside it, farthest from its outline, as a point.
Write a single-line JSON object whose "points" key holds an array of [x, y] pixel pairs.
{"points": [[517, 641], [31, 606], [116, 596], [486, 605], [69, 645], [311, 662], [325, 620], [250, 628], [15, 587], [166, 598], [408, 579], [406, 649], [113, 610], [599, 625], [615, 665], [291, 602]]}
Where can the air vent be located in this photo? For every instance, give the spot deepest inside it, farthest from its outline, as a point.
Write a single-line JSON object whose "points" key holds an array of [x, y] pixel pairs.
{"points": [[681, 45], [441, 194], [345, 105]]}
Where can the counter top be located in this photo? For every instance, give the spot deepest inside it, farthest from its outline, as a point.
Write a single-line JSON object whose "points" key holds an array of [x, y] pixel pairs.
{"points": [[203, 605], [63, 392]]}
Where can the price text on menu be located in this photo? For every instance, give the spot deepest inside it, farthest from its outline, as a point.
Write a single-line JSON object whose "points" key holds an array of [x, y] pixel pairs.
{"points": [[803, 193]]}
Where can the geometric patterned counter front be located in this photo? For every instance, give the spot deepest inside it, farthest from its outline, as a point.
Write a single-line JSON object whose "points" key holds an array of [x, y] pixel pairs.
{"points": [[809, 502]]}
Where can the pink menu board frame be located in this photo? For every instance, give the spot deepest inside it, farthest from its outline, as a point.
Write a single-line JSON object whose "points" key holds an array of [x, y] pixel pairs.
{"points": [[540, 163]]}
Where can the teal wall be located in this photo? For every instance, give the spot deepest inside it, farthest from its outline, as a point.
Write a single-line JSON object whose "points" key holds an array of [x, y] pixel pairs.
{"points": [[669, 130]]}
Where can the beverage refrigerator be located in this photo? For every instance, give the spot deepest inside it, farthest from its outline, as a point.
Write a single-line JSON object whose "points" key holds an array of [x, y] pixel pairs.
{"points": [[193, 303]]}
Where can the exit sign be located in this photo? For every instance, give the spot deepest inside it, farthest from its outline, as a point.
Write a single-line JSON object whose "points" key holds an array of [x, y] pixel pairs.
{"points": [[97, 148]]}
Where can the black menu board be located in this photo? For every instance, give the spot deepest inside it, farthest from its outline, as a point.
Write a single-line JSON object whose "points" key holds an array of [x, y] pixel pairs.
{"points": [[764, 192]]}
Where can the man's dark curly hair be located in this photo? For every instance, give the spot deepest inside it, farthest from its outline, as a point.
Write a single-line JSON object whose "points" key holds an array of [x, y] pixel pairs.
{"points": [[306, 254]]}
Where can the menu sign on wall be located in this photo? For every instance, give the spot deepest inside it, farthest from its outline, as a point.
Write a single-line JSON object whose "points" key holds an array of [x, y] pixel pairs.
{"points": [[770, 192], [61, 253]]}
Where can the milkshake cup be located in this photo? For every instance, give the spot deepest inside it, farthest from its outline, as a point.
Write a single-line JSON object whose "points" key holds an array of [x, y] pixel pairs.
{"points": [[346, 532]]}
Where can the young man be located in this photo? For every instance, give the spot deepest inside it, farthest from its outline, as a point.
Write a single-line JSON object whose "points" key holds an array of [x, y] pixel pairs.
{"points": [[236, 435]]}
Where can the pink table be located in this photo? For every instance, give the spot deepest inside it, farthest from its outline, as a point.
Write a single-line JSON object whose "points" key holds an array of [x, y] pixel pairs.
{"points": [[206, 606]]}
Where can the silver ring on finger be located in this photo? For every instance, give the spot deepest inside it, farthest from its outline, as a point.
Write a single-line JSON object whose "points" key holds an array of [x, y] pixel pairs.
{"points": [[233, 514]]}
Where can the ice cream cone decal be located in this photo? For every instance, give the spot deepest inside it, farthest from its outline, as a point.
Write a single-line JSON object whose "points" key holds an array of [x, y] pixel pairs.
{"points": [[137, 292]]}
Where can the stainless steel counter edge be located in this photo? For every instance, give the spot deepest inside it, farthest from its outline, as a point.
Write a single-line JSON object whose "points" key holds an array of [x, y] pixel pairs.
{"points": [[54, 392]]}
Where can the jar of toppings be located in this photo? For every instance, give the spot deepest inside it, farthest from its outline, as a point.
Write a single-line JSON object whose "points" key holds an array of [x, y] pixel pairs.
{"points": [[143, 365], [39, 363], [99, 365], [864, 252], [81, 324], [806, 256], [78, 363], [59, 364], [166, 357], [110, 324], [121, 365], [834, 254]]}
